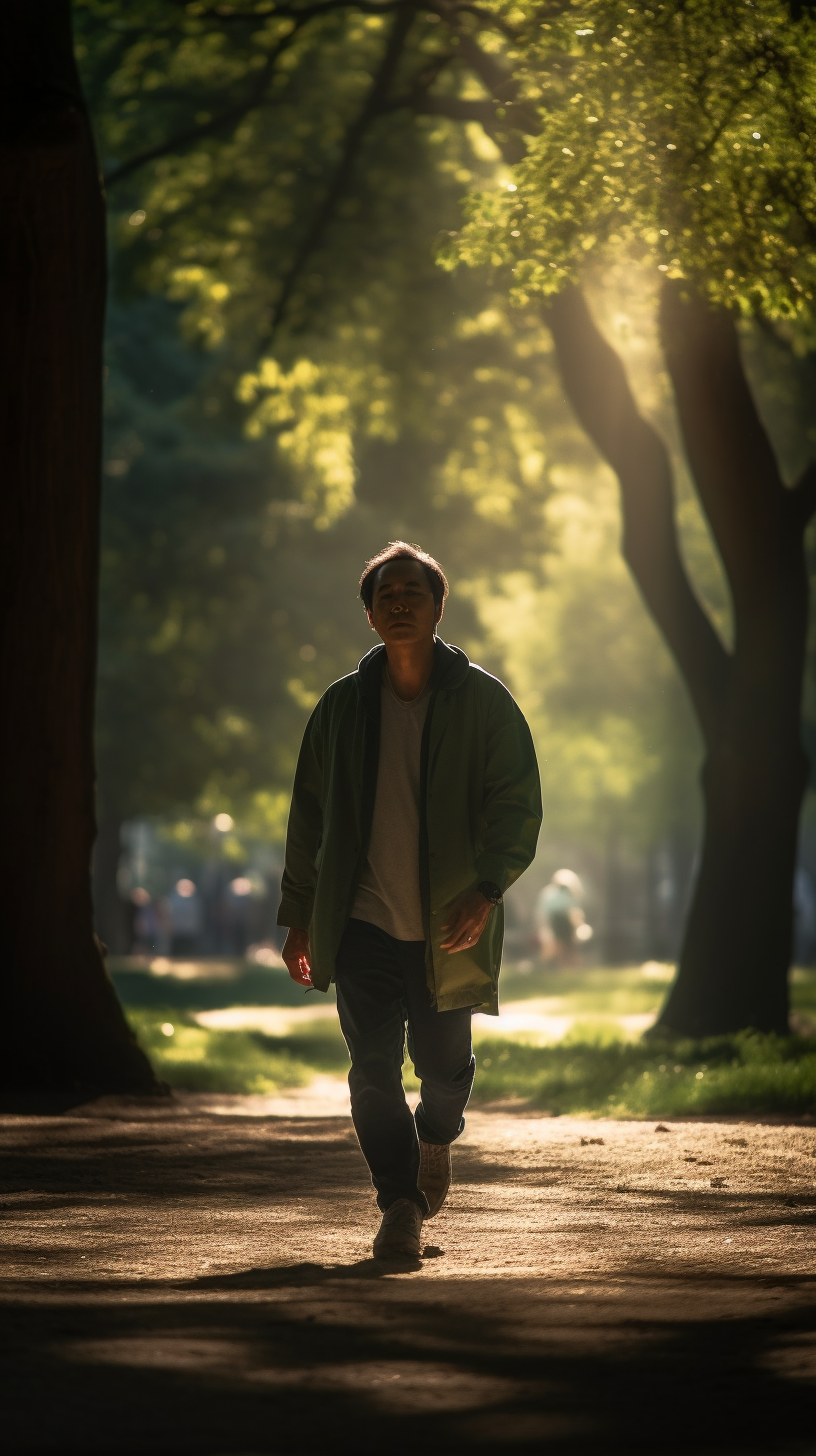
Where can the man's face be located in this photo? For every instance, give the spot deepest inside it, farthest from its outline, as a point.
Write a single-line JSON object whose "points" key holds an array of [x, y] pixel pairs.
{"points": [[403, 609]]}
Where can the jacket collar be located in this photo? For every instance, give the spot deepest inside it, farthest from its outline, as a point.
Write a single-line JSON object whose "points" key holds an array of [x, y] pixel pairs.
{"points": [[450, 669]]}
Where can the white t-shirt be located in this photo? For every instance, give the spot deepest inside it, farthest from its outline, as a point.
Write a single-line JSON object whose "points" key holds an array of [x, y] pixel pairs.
{"points": [[388, 893]]}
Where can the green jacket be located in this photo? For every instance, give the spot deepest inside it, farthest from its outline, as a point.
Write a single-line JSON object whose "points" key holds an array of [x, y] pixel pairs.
{"points": [[480, 813]]}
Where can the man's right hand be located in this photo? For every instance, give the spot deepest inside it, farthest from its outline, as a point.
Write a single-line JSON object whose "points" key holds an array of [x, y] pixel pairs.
{"points": [[296, 956]]}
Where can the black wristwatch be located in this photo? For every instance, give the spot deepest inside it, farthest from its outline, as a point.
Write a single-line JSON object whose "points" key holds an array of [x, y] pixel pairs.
{"points": [[490, 891]]}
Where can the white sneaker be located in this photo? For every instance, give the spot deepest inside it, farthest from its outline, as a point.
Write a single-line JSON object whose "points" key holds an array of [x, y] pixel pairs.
{"points": [[434, 1174], [400, 1231]]}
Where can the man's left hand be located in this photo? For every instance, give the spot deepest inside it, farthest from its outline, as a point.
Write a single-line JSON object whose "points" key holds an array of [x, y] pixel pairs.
{"points": [[466, 922]]}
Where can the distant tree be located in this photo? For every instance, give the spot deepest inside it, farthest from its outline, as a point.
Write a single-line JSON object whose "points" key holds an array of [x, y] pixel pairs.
{"points": [[61, 1022], [682, 139], [185, 691]]}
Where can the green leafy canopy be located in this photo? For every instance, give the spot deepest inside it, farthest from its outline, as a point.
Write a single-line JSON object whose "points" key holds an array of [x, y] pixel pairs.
{"points": [[679, 135], [389, 397]]}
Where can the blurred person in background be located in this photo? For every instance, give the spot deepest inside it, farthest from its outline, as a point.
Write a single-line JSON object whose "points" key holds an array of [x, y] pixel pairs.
{"points": [[241, 907], [184, 904], [145, 923], [152, 929], [560, 919], [416, 804]]}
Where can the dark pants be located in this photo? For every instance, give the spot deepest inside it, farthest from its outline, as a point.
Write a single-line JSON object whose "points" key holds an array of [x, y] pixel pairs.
{"points": [[380, 986]]}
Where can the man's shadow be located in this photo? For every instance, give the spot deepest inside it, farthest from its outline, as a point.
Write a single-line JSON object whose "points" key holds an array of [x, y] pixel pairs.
{"points": [[304, 1275]]}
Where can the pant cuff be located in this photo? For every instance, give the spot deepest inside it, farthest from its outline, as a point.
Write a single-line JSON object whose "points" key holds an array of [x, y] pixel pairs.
{"points": [[384, 1201], [430, 1135]]}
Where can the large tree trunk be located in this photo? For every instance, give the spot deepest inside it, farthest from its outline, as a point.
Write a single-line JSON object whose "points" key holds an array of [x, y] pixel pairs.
{"points": [[60, 1022], [736, 951]]}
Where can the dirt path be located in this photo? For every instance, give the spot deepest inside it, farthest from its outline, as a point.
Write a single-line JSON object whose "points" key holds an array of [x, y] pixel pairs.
{"points": [[178, 1280]]}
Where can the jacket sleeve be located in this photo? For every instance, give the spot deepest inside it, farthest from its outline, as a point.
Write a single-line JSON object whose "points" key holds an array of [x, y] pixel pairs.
{"points": [[304, 830], [512, 794]]}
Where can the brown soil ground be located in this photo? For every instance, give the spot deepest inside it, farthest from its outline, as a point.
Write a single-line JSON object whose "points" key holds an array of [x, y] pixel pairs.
{"points": [[179, 1280]]}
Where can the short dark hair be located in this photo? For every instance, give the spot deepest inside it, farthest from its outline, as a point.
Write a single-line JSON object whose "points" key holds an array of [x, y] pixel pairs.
{"points": [[397, 551]]}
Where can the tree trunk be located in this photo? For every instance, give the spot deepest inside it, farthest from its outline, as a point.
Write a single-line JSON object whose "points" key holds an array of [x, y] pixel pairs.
{"points": [[62, 1025], [736, 951], [737, 945]]}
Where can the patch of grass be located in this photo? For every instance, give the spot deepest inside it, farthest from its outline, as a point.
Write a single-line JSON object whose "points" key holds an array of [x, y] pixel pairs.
{"points": [[623, 990], [599, 991], [803, 996], [615, 1078], [594, 1069], [323, 1047], [195, 1059], [240, 984]]}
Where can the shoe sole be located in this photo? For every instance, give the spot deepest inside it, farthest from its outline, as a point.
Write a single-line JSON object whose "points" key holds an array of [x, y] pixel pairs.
{"points": [[392, 1251]]}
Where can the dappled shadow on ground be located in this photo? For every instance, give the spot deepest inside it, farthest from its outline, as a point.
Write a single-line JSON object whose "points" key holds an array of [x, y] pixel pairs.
{"points": [[115, 1338], [146, 1159], [401, 1373], [46, 1104]]}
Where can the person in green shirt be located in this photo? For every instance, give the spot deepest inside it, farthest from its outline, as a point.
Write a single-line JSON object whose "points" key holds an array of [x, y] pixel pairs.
{"points": [[416, 803]]}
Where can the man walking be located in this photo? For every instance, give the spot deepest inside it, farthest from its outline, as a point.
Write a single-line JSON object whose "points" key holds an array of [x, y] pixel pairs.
{"points": [[416, 804]]}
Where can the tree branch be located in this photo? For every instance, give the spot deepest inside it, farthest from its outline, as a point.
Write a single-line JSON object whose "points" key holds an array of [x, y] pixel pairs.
{"points": [[227, 16], [499, 82], [491, 74], [419, 100], [504, 93], [207, 128], [175, 143], [423, 104], [374, 104], [490, 18], [597, 387], [301, 16], [421, 84], [731, 458]]}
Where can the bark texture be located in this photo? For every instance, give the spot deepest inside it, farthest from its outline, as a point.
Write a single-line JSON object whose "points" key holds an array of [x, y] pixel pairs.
{"points": [[736, 951], [60, 1021]]}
